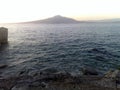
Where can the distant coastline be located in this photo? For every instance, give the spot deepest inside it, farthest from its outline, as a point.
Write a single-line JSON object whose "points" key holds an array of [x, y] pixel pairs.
{"points": [[58, 19]]}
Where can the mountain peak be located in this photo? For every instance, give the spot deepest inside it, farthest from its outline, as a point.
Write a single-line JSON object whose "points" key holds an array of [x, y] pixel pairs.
{"points": [[58, 16]]}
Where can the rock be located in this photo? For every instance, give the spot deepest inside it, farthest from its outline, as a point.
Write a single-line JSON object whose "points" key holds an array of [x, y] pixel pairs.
{"points": [[22, 72], [40, 84], [34, 73], [3, 66], [112, 74], [1, 89], [21, 87], [54, 77], [89, 71], [110, 79], [107, 82], [49, 71], [35, 84], [44, 85]]}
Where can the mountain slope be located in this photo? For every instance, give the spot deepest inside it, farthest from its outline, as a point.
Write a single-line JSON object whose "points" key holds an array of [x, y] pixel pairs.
{"points": [[56, 20]]}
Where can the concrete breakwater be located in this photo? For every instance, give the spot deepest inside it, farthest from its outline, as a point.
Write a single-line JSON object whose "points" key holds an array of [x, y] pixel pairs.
{"points": [[3, 35]]}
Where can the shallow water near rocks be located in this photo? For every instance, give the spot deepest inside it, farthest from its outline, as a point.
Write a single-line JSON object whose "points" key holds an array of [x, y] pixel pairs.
{"points": [[65, 47]]}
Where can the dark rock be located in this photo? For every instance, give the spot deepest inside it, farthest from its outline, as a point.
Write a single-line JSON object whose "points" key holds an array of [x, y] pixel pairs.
{"points": [[22, 72], [43, 84], [21, 87], [7, 83], [49, 71], [34, 73], [1, 89], [89, 71], [54, 77], [113, 74], [35, 84]]}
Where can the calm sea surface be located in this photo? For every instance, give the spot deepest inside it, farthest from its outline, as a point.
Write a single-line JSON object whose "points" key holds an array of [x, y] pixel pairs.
{"points": [[62, 46]]}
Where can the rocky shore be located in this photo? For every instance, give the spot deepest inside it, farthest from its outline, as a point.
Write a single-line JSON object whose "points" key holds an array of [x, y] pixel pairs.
{"points": [[51, 79]]}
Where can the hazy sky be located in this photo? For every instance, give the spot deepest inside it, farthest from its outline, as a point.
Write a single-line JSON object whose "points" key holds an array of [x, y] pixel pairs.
{"points": [[27, 10]]}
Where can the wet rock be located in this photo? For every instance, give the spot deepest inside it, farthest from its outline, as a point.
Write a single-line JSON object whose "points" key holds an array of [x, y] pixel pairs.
{"points": [[7, 83], [3, 66], [1, 89], [44, 85], [35, 84], [107, 82], [54, 77], [49, 71], [21, 87], [22, 72], [110, 79], [89, 71], [39, 84], [34, 73], [112, 74]]}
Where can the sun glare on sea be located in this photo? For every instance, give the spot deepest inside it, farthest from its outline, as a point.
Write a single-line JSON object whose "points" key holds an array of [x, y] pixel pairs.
{"points": [[28, 10]]}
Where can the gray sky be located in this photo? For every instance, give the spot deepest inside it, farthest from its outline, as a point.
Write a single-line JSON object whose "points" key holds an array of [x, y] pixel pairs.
{"points": [[28, 10]]}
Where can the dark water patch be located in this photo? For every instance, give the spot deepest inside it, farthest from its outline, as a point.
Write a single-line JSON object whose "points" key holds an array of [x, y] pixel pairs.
{"points": [[99, 58], [103, 51], [98, 50]]}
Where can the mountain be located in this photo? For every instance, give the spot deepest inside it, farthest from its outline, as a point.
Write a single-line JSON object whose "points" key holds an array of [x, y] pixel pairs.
{"points": [[65, 20], [56, 20]]}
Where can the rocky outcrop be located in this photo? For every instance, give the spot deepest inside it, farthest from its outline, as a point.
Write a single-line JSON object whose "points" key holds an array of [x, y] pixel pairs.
{"points": [[48, 79]]}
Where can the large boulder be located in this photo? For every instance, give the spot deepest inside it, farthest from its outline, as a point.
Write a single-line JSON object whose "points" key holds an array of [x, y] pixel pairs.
{"points": [[113, 74], [110, 79]]}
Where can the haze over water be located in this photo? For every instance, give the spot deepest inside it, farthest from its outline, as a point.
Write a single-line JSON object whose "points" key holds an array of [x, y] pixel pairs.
{"points": [[63, 46]]}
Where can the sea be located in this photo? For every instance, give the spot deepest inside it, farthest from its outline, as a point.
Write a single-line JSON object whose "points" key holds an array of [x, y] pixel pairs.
{"points": [[65, 47]]}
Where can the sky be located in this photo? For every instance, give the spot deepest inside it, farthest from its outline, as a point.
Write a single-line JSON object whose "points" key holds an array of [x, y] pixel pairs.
{"points": [[29, 10]]}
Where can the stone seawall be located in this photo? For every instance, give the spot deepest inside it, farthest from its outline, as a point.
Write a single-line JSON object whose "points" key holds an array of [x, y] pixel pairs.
{"points": [[3, 35]]}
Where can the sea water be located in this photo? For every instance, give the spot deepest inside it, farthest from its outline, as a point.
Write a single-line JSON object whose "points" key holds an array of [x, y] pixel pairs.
{"points": [[66, 47]]}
